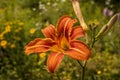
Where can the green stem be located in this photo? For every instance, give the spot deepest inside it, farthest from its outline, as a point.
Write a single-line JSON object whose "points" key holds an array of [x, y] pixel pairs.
{"points": [[86, 37], [53, 76], [80, 63], [83, 73], [93, 42], [83, 66], [58, 77]]}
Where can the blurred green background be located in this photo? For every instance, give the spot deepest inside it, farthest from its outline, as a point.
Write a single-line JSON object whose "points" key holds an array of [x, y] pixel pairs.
{"points": [[22, 20]]}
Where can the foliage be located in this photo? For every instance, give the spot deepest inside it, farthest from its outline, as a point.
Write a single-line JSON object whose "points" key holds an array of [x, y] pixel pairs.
{"points": [[22, 20]]}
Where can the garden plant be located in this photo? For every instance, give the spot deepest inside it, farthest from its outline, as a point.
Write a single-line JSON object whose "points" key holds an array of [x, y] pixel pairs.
{"points": [[59, 40]]}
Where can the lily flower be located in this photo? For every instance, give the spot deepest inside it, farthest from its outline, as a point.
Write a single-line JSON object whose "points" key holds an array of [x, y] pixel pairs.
{"points": [[60, 41]]}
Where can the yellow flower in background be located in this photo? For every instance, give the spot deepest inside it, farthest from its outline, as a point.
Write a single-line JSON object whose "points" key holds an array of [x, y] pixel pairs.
{"points": [[18, 29], [2, 10], [32, 30], [7, 28], [104, 69], [9, 23], [42, 55], [3, 43], [1, 36], [96, 22], [16, 38], [99, 72], [20, 23], [12, 46]]}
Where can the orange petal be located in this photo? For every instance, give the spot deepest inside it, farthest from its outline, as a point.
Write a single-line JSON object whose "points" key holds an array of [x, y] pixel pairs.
{"points": [[53, 61], [78, 51], [49, 32], [64, 26], [61, 22], [77, 32], [39, 45], [33, 42]]}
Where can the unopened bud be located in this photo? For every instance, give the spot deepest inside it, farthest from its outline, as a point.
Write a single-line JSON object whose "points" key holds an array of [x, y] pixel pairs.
{"points": [[112, 21], [108, 26], [76, 7], [102, 30]]}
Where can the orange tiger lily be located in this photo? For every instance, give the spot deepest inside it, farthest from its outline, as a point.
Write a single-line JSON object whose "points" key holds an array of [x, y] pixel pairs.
{"points": [[60, 41]]}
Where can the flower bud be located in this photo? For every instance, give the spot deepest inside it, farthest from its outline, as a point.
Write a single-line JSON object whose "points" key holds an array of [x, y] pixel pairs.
{"points": [[108, 26], [102, 30], [112, 21], [76, 7]]}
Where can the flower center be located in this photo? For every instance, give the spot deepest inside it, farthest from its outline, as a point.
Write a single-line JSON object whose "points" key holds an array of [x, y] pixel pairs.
{"points": [[65, 47], [64, 44]]}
